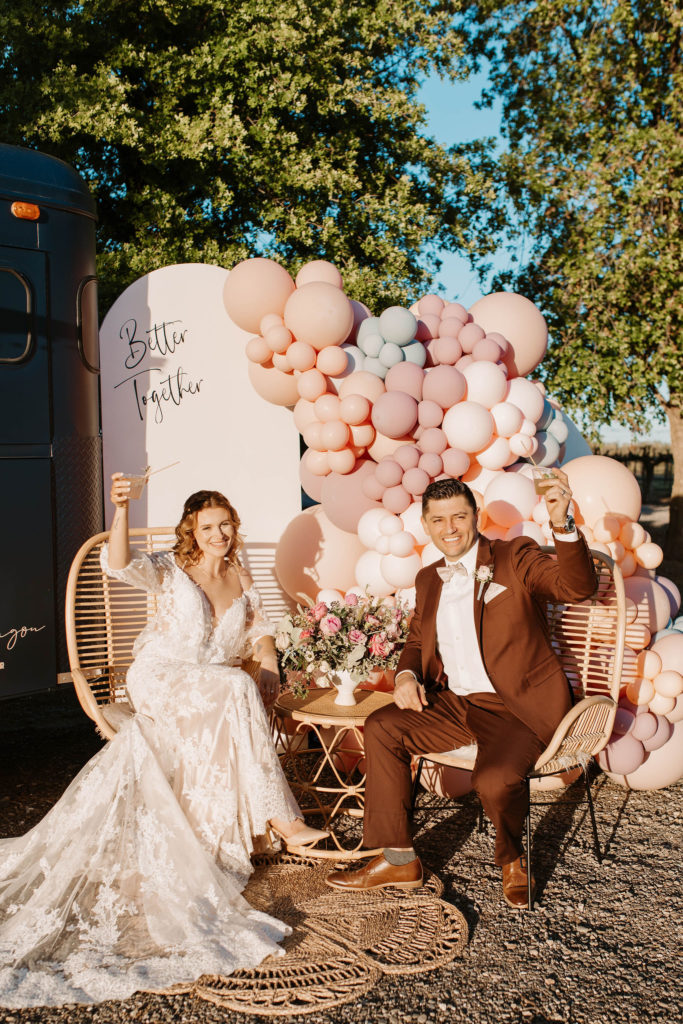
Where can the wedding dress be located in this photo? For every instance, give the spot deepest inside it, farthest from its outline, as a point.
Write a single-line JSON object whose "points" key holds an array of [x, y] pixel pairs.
{"points": [[133, 880]]}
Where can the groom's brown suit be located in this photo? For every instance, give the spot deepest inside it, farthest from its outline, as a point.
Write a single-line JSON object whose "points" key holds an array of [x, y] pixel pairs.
{"points": [[512, 725]]}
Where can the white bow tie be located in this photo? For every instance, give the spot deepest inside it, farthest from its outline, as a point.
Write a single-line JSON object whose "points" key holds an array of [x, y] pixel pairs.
{"points": [[447, 572]]}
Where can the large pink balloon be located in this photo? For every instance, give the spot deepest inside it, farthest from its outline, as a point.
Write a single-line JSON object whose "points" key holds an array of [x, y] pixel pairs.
{"points": [[319, 270], [273, 385], [314, 554], [652, 602], [254, 288], [394, 414], [319, 314], [600, 485], [662, 767], [518, 320], [343, 498]]}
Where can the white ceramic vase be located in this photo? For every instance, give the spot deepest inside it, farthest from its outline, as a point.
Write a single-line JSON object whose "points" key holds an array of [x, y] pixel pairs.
{"points": [[345, 685]]}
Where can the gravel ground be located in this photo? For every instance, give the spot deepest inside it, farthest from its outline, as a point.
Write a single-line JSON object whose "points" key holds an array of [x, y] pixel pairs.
{"points": [[602, 945]]}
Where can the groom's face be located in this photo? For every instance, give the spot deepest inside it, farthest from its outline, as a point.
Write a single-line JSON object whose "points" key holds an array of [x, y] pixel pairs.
{"points": [[452, 526]]}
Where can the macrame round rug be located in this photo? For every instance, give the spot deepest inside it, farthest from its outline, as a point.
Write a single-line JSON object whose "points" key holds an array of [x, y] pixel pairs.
{"points": [[341, 943]]}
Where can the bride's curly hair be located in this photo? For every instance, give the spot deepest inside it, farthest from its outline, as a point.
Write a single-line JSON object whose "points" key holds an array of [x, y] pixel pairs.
{"points": [[186, 548]]}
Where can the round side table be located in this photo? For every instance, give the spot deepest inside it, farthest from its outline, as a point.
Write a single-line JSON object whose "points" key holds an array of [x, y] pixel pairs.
{"points": [[322, 750]]}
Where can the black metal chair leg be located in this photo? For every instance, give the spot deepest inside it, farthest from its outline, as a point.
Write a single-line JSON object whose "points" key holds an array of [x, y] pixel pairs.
{"points": [[416, 783], [530, 899], [596, 837]]}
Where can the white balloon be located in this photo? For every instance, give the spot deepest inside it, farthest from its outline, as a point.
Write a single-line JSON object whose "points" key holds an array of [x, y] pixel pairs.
{"points": [[390, 524], [526, 529], [369, 575], [402, 544], [509, 499], [369, 525], [400, 572], [412, 521], [329, 596], [430, 554], [526, 396]]}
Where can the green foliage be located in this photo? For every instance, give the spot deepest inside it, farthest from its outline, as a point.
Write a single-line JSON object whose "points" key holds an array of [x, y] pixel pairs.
{"points": [[592, 100], [214, 130]]}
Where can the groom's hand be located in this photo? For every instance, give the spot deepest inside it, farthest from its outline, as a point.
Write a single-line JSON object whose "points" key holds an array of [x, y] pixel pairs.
{"points": [[409, 695]]}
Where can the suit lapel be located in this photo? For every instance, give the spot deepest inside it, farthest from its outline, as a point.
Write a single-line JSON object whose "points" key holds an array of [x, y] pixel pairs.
{"points": [[484, 557], [430, 608]]}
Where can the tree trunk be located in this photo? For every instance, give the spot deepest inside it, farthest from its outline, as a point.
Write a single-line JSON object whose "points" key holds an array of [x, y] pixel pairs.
{"points": [[673, 545]]}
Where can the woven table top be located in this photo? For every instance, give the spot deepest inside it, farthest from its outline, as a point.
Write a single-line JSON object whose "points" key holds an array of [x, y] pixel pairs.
{"points": [[318, 707]]}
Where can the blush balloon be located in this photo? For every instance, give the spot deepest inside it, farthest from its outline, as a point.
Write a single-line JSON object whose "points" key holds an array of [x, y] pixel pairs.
{"points": [[601, 484], [509, 499], [430, 304], [469, 335], [394, 414], [406, 377], [467, 425], [313, 554], [429, 414], [445, 386], [521, 322], [415, 481], [433, 440], [319, 270], [431, 464], [456, 462], [396, 499], [446, 350], [389, 472], [255, 288], [487, 349], [343, 497]]}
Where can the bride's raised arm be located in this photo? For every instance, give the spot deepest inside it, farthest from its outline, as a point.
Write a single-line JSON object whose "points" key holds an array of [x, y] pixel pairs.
{"points": [[119, 546]]}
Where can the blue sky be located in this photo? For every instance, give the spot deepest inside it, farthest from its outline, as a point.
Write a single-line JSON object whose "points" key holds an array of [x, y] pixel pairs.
{"points": [[452, 117]]}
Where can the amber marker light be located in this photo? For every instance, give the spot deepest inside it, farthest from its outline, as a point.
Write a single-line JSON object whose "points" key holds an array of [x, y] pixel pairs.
{"points": [[25, 211]]}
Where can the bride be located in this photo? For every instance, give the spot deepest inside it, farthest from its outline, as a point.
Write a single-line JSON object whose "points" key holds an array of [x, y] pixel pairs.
{"points": [[133, 880]]}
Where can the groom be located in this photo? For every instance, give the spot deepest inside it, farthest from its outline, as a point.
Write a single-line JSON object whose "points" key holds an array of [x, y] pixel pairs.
{"points": [[477, 666]]}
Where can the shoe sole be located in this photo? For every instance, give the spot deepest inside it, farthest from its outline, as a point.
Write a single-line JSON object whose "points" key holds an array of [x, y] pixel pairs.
{"points": [[517, 906], [380, 885]]}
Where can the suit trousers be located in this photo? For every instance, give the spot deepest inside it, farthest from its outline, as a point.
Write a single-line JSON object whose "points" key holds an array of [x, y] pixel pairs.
{"points": [[507, 750]]}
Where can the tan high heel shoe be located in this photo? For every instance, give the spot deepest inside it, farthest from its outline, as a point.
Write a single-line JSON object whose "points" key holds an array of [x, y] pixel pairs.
{"points": [[304, 837]]}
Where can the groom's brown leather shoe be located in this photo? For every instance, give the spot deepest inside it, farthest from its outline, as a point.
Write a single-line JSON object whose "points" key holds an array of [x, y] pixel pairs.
{"points": [[378, 873], [515, 885]]}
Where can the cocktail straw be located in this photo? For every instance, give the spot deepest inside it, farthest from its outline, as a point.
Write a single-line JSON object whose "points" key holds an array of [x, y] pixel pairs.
{"points": [[176, 463]]}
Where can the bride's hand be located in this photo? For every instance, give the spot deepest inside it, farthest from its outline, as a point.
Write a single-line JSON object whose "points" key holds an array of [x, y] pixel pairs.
{"points": [[269, 686], [120, 488]]}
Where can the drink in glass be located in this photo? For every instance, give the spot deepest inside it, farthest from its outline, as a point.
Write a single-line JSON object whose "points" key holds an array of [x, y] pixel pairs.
{"points": [[543, 479]]}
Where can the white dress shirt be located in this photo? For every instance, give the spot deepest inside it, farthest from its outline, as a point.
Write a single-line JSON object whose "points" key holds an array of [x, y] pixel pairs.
{"points": [[456, 635]]}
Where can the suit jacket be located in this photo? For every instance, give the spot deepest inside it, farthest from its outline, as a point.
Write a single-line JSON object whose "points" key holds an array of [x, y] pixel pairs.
{"points": [[512, 628]]}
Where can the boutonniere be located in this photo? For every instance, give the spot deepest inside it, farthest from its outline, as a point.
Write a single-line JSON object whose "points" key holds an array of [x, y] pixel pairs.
{"points": [[483, 575]]}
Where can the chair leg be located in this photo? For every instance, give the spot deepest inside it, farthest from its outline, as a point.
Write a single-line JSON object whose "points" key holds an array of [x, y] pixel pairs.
{"points": [[530, 897], [416, 783], [596, 837]]}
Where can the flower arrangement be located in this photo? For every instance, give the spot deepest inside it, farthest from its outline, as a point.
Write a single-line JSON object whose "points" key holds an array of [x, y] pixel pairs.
{"points": [[357, 634]]}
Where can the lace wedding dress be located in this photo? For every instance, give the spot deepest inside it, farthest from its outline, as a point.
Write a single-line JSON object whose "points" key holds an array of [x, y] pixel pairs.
{"points": [[133, 879]]}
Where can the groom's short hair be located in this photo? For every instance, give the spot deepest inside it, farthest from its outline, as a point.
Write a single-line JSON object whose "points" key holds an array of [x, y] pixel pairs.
{"points": [[448, 488]]}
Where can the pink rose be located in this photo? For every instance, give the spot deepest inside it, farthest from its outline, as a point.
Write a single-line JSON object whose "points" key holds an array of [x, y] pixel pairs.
{"points": [[318, 611], [380, 646], [356, 637], [372, 620], [305, 634], [330, 625], [351, 599]]}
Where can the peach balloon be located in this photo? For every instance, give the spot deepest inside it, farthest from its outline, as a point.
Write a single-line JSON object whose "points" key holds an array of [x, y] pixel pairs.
{"points": [[270, 320], [521, 323], [632, 535], [509, 499], [281, 362], [661, 705], [673, 592], [354, 409], [649, 664], [507, 418], [313, 436], [602, 485], [257, 350], [446, 350], [496, 455], [383, 445], [273, 385], [335, 435], [668, 684], [318, 462], [362, 383], [651, 600], [486, 384], [304, 413], [342, 461], [628, 564], [670, 650], [255, 288], [676, 713], [648, 555], [332, 360], [606, 528], [528, 398], [433, 440], [311, 482], [301, 355], [319, 270], [362, 434], [313, 554], [319, 314], [637, 635], [311, 385], [278, 339], [327, 408], [467, 425]]}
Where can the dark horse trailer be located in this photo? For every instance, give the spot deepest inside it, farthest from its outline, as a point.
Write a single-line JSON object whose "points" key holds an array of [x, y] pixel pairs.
{"points": [[50, 443]]}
